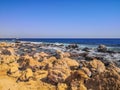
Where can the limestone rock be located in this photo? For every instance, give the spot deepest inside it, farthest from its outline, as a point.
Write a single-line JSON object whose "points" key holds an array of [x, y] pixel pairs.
{"points": [[58, 75], [62, 86], [109, 80], [26, 75], [97, 65], [71, 63]]}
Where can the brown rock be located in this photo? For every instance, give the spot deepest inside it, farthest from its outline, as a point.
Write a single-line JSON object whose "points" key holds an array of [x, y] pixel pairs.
{"points": [[109, 80], [71, 63], [26, 75], [8, 59], [58, 75], [27, 61], [97, 65], [62, 86]]}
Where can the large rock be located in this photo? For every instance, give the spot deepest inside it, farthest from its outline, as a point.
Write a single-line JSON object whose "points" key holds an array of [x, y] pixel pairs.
{"points": [[56, 76], [73, 64], [72, 46], [8, 51], [77, 79], [6, 59], [62, 86], [27, 61], [47, 63], [109, 80], [26, 75], [102, 48], [97, 65]]}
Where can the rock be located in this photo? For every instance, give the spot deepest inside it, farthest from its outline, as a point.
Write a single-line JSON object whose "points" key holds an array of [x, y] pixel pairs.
{"points": [[47, 63], [60, 64], [6, 59], [86, 49], [78, 75], [62, 86], [108, 80], [56, 76], [27, 61], [87, 71], [102, 48], [73, 64], [43, 54], [41, 74], [59, 54], [26, 75], [97, 65], [8, 51], [76, 85], [3, 44], [72, 46]]}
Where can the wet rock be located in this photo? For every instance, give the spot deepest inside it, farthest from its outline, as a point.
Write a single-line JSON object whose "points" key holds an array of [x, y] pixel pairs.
{"points": [[102, 48], [86, 49], [72, 46]]}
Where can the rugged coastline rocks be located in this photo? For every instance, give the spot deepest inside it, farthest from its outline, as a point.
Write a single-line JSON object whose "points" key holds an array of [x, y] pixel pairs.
{"points": [[31, 66]]}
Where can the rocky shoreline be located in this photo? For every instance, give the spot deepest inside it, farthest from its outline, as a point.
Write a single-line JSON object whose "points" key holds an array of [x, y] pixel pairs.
{"points": [[31, 66]]}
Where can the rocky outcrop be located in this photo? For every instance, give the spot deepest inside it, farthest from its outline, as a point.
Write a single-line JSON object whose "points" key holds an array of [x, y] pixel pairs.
{"points": [[27, 66]]}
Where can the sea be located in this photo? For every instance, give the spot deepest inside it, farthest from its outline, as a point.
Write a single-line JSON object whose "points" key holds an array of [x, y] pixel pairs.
{"points": [[83, 42]]}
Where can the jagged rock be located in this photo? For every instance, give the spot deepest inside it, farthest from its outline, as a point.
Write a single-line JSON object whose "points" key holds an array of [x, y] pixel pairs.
{"points": [[71, 63], [97, 65], [58, 75], [8, 59], [2, 44], [8, 51], [62, 86], [26, 75], [78, 75], [86, 49], [87, 71], [77, 79], [72, 46], [47, 63], [27, 61], [43, 54], [109, 80], [76, 85], [60, 64], [102, 48], [41, 74]]}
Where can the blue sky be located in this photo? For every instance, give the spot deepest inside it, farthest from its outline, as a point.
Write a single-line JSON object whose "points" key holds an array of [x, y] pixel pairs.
{"points": [[60, 18]]}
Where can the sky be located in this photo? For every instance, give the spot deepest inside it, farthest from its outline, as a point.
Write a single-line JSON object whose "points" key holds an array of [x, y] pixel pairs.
{"points": [[59, 18]]}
